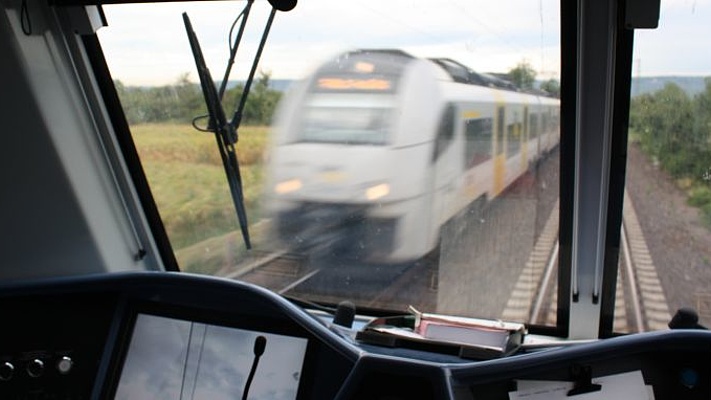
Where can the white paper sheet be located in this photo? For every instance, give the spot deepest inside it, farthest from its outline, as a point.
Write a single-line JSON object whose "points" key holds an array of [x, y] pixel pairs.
{"points": [[625, 386]]}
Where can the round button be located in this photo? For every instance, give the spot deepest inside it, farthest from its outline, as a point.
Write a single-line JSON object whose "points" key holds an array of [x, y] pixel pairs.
{"points": [[64, 365], [35, 368], [689, 378], [6, 371]]}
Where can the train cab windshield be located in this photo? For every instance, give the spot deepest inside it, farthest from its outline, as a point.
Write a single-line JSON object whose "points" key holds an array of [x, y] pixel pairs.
{"points": [[372, 173], [500, 162], [380, 166]]}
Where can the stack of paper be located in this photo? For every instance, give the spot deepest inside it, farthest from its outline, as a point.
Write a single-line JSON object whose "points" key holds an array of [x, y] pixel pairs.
{"points": [[468, 337], [469, 331]]}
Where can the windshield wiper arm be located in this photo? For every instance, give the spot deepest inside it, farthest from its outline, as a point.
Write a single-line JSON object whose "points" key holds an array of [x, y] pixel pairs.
{"points": [[225, 133]]}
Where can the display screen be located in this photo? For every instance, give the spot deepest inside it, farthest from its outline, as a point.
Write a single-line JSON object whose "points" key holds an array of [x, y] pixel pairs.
{"points": [[175, 359]]}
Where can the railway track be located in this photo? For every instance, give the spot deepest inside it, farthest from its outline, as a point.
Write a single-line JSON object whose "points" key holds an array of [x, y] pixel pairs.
{"points": [[280, 271], [654, 309], [640, 303]]}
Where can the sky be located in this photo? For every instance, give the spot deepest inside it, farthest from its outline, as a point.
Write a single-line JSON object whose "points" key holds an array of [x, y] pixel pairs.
{"points": [[680, 45], [147, 45]]}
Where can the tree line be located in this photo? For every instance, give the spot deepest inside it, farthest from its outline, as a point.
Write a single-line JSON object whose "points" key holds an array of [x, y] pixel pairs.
{"points": [[674, 129], [183, 100], [523, 76]]}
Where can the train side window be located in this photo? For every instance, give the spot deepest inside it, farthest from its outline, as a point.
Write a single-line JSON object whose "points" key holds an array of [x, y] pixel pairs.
{"points": [[478, 146], [533, 124], [545, 122], [555, 120], [445, 132], [500, 113], [513, 132]]}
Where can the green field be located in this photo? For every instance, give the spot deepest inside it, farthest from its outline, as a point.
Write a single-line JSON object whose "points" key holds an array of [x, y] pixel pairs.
{"points": [[188, 183]]}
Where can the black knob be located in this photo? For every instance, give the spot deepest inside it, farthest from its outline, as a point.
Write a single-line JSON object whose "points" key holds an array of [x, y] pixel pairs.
{"points": [[345, 314], [6, 371], [35, 368], [685, 318]]}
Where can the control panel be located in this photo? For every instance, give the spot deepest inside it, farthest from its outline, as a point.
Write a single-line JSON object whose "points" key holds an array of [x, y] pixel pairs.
{"points": [[135, 334]]}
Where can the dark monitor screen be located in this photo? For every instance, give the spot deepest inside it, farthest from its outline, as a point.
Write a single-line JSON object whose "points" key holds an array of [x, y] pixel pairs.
{"points": [[177, 359]]}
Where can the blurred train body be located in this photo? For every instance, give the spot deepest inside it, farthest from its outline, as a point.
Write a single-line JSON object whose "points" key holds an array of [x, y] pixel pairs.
{"points": [[374, 152]]}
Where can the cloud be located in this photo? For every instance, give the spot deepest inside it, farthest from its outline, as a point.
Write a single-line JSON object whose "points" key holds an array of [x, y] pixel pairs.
{"points": [[146, 43], [679, 45]]}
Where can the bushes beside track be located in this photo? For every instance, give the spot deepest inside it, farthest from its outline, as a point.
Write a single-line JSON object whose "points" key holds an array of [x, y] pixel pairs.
{"points": [[674, 129]]}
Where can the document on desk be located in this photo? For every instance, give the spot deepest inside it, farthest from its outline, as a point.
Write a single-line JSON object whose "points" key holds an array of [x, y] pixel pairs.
{"points": [[627, 386]]}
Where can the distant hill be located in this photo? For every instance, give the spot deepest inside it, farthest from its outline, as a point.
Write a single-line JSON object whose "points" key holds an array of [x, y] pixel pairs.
{"points": [[690, 84], [280, 85]]}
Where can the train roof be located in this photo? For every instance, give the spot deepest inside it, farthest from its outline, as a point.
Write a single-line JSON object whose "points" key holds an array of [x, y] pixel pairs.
{"points": [[391, 61], [381, 61], [463, 74]]}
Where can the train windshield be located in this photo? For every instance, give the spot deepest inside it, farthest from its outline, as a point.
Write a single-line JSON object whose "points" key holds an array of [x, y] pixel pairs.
{"points": [[408, 154], [350, 125]]}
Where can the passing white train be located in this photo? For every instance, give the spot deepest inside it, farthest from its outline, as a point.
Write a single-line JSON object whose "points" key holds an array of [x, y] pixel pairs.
{"points": [[375, 151]]}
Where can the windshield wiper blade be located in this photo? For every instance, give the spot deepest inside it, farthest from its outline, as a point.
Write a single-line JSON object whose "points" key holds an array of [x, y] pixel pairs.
{"points": [[225, 133]]}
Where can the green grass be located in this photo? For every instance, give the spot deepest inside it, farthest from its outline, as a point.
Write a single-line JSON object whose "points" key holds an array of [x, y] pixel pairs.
{"points": [[188, 183], [181, 143]]}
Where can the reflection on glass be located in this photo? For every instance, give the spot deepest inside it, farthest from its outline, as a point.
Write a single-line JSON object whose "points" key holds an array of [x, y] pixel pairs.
{"points": [[409, 157], [182, 360]]}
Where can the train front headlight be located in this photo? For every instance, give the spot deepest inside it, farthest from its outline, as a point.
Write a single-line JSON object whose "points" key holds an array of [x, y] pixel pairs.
{"points": [[378, 191], [288, 186]]}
